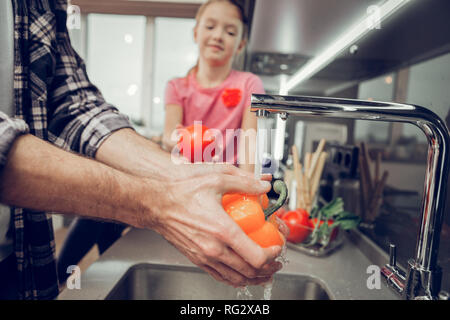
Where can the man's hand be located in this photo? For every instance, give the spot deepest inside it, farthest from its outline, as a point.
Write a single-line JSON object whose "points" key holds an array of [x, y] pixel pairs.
{"points": [[188, 210], [191, 217]]}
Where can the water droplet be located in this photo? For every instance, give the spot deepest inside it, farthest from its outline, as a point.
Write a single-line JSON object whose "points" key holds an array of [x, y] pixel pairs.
{"points": [[282, 258]]}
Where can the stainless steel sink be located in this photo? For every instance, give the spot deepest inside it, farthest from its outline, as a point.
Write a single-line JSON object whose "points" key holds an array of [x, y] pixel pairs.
{"points": [[161, 282]]}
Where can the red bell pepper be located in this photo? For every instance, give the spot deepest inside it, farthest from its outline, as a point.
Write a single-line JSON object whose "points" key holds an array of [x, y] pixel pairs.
{"points": [[247, 212]]}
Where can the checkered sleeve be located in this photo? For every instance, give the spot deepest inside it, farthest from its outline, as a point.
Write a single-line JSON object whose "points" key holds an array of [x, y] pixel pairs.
{"points": [[80, 118], [10, 129]]}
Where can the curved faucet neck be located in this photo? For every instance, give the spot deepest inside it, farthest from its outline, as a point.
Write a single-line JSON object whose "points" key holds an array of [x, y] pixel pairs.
{"points": [[433, 202]]}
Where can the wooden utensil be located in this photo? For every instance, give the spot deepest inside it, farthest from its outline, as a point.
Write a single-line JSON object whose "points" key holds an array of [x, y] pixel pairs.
{"points": [[376, 200], [363, 187], [315, 158], [366, 167], [317, 174], [298, 177], [377, 168]]}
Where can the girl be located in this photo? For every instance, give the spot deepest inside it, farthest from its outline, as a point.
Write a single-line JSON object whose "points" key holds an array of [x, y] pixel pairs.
{"points": [[212, 92]]}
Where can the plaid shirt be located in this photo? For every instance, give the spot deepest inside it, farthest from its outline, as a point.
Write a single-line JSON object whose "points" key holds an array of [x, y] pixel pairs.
{"points": [[55, 101]]}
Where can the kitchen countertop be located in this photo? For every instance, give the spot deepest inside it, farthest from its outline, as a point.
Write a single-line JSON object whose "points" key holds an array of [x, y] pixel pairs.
{"points": [[343, 273]]}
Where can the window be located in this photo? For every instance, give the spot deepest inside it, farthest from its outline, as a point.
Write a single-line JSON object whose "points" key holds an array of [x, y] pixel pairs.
{"points": [[115, 59], [175, 53], [131, 58]]}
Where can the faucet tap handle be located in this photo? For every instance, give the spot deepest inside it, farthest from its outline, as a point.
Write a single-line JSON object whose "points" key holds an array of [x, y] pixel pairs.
{"points": [[394, 276], [392, 255], [392, 265]]}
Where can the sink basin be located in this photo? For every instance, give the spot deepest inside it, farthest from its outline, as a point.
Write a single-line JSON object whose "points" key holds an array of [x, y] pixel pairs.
{"points": [[161, 282]]}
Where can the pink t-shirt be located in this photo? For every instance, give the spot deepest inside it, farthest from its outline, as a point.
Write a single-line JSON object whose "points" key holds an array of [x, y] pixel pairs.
{"points": [[221, 107]]}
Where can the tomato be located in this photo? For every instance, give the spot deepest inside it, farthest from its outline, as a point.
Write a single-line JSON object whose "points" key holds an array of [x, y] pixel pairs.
{"points": [[267, 235], [334, 232], [247, 213], [193, 141], [300, 226]]}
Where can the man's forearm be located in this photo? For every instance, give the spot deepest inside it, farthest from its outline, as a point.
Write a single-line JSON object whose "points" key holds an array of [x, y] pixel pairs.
{"points": [[129, 152], [40, 176]]}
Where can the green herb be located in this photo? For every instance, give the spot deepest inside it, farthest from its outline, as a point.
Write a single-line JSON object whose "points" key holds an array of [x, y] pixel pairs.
{"points": [[346, 220], [334, 211], [333, 208]]}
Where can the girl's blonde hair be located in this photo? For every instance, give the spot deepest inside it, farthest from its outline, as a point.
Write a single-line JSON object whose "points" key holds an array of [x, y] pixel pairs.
{"points": [[202, 9]]}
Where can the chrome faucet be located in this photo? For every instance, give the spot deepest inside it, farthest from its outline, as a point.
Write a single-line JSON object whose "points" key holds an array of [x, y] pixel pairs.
{"points": [[423, 279]]}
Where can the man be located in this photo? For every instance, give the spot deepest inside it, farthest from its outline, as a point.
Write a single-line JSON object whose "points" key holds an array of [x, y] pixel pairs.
{"points": [[120, 176]]}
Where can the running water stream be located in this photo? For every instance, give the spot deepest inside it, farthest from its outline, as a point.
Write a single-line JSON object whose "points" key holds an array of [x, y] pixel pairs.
{"points": [[244, 293]]}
